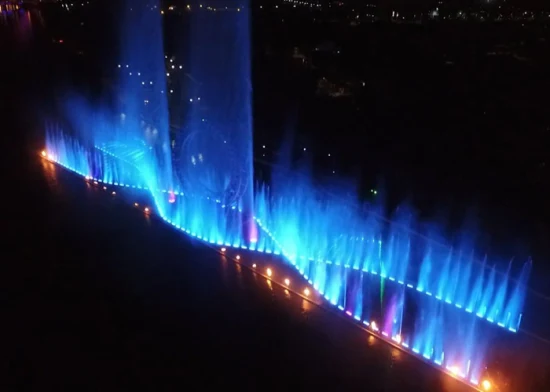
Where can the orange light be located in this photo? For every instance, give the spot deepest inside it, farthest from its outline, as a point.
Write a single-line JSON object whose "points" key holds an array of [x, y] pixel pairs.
{"points": [[287, 282], [44, 154], [306, 292], [269, 272], [454, 370], [486, 384]]}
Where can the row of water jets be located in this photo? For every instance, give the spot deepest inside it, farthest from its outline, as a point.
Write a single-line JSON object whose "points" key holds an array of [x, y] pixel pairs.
{"points": [[434, 300]]}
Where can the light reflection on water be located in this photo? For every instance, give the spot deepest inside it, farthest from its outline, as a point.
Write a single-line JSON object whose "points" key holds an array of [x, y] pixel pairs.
{"points": [[396, 355], [371, 340], [20, 24]]}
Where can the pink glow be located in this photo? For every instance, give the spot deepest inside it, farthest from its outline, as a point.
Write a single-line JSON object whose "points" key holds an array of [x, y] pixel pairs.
{"points": [[392, 311], [253, 232], [171, 197]]}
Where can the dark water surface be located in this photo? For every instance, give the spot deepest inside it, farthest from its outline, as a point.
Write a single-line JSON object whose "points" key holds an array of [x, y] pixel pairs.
{"points": [[96, 297]]}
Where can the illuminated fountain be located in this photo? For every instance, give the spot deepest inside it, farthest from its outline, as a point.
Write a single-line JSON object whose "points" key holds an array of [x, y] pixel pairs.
{"points": [[360, 264], [138, 131], [437, 302], [216, 153]]}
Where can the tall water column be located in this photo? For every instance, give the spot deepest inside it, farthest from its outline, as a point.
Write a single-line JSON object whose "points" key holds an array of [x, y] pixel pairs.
{"points": [[217, 148]]}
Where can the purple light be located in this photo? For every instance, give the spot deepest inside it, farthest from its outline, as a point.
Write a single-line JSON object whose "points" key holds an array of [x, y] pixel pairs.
{"points": [[171, 197]]}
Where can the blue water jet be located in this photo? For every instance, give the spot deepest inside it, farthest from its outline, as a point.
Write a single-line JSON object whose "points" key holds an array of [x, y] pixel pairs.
{"points": [[218, 140]]}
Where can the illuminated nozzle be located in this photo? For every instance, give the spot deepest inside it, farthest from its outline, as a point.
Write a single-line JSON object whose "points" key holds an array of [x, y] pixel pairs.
{"points": [[374, 326], [146, 210], [44, 153], [454, 370], [113, 193], [171, 197], [269, 272], [253, 265], [397, 338], [238, 257], [136, 204], [88, 178], [223, 249], [486, 385], [306, 292], [287, 282]]}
